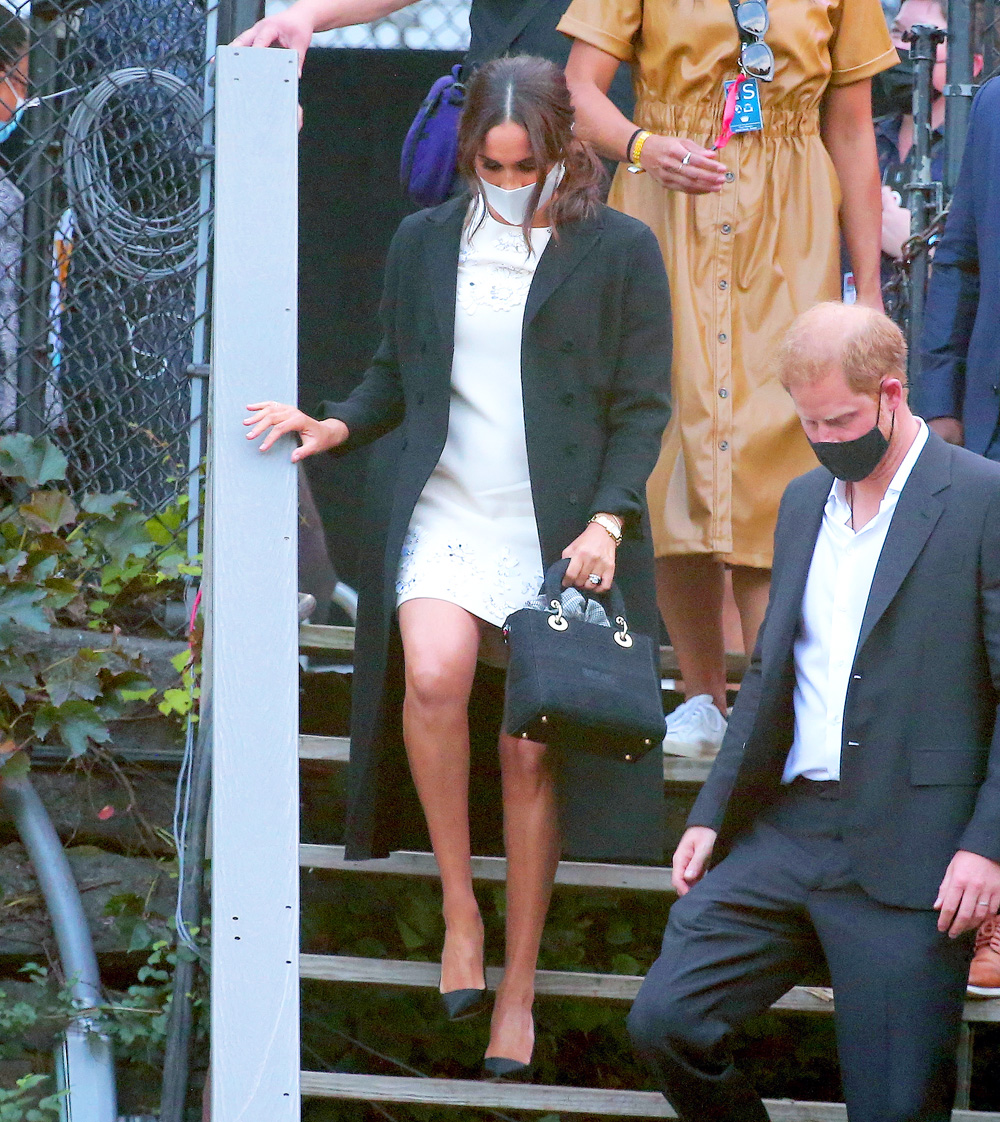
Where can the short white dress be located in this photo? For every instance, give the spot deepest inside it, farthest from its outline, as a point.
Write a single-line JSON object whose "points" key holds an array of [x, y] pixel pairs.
{"points": [[472, 538]]}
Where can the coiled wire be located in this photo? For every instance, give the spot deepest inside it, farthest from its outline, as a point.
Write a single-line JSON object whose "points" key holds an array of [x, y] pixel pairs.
{"points": [[133, 245]]}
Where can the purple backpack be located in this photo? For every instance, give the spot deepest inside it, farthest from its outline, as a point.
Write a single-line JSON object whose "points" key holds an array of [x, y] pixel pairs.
{"points": [[430, 150], [428, 161]]}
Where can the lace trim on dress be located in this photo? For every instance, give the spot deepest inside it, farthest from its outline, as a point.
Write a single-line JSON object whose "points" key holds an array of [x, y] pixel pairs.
{"points": [[459, 572]]}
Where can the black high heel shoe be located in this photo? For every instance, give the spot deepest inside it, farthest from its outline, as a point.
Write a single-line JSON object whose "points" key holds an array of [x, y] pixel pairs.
{"points": [[499, 1068], [463, 1005]]}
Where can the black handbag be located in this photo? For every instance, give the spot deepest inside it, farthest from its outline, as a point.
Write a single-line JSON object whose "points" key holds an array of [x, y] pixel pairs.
{"points": [[580, 685]]}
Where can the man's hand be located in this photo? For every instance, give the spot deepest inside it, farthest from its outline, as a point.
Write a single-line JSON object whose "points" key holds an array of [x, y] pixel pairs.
{"points": [[969, 893], [948, 428], [691, 858], [895, 224], [314, 436]]}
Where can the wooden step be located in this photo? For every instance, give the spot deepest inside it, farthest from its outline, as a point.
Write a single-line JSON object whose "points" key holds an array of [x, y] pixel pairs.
{"points": [[409, 863], [319, 637], [337, 750], [620, 988], [544, 1099]]}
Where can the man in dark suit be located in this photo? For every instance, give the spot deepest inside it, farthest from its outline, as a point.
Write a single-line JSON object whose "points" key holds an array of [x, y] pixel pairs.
{"points": [[853, 813], [959, 387]]}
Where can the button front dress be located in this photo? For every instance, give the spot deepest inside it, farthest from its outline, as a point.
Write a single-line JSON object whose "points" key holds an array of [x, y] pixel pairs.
{"points": [[472, 538], [743, 262]]}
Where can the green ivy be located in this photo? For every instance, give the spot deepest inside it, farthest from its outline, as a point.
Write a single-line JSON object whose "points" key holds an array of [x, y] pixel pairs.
{"points": [[95, 563], [25, 1102]]}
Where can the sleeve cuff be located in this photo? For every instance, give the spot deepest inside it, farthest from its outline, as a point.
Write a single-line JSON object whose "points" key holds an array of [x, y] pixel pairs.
{"points": [[885, 61], [596, 37]]}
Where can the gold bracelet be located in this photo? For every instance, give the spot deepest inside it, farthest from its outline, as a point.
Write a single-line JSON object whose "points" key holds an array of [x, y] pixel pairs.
{"points": [[635, 155], [609, 523]]}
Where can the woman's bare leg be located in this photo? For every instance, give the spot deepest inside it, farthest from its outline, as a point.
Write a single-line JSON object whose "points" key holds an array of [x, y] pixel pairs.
{"points": [[531, 839], [689, 589], [751, 588], [440, 642]]}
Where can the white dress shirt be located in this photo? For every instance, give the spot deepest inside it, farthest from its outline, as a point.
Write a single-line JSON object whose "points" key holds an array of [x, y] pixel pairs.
{"points": [[833, 607]]}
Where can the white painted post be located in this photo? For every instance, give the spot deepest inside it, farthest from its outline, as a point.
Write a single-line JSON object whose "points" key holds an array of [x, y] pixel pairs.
{"points": [[251, 639]]}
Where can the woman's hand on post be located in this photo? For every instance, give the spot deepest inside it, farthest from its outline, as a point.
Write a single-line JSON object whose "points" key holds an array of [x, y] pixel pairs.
{"points": [[292, 28], [314, 436], [663, 158], [593, 552]]}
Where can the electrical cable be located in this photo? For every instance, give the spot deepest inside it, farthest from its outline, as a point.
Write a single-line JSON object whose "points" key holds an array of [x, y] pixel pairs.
{"points": [[132, 245]]}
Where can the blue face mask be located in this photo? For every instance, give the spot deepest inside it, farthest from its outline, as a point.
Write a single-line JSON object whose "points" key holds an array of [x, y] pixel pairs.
{"points": [[20, 105]]}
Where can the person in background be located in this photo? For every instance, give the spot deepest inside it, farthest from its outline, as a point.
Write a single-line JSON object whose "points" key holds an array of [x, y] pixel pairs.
{"points": [[13, 91], [959, 388], [853, 813], [750, 236], [523, 376], [894, 130]]}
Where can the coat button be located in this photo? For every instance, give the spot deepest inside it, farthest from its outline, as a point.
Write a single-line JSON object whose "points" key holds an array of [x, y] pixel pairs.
{"points": [[567, 399], [723, 445], [729, 177], [995, 389], [572, 498], [723, 336], [723, 392], [570, 449], [423, 348], [567, 346], [403, 445], [726, 228], [420, 399], [723, 285]]}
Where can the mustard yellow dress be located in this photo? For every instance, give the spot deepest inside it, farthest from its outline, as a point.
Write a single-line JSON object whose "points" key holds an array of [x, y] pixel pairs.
{"points": [[743, 262]]}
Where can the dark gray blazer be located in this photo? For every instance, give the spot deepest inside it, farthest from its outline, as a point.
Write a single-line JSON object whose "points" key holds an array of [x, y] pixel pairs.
{"points": [[595, 369], [920, 764]]}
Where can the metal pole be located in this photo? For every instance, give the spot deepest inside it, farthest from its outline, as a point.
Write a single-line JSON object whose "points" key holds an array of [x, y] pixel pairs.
{"points": [[251, 659], [84, 1062], [923, 195], [958, 91]]}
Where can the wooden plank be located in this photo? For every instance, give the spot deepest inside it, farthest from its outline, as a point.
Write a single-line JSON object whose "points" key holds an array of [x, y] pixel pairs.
{"points": [[320, 637], [251, 654], [408, 863], [337, 750], [535, 1097], [620, 988]]}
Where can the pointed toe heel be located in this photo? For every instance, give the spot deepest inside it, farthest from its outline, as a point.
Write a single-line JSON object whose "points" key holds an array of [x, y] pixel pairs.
{"points": [[500, 1068], [462, 1005]]}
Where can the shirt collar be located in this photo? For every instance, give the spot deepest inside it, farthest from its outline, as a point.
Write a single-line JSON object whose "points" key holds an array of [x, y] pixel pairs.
{"points": [[837, 500]]}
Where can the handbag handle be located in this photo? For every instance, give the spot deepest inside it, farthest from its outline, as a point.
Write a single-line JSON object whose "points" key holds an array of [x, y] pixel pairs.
{"points": [[552, 590]]}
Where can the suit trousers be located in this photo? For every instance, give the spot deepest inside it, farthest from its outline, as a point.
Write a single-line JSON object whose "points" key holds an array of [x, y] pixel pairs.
{"points": [[780, 902]]}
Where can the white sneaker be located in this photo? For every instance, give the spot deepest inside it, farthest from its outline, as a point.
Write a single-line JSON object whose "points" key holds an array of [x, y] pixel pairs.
{"points": [[695, 728]]}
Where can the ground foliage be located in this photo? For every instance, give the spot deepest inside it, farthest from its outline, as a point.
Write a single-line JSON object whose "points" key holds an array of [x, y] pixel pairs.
{"points": [[92, 562]]}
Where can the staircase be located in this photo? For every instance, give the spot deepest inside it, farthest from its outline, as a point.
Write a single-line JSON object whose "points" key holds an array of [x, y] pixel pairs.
{"points": [[615, 989]]}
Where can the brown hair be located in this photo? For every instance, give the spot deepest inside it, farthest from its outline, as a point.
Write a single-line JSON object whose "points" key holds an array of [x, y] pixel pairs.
{"points": [[532, 93], [864, 345]]}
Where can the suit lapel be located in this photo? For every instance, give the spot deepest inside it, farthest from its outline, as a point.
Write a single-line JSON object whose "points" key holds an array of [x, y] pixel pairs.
{"points": [[558, 260], [917, 511]]}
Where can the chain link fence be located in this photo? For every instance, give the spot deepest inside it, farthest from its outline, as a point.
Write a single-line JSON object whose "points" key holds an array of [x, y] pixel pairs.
{"points": [[428, 25], [104, 215]]}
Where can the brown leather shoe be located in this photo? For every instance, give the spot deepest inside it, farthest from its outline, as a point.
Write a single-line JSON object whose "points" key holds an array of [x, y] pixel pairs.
{"points": [[984, 974]]}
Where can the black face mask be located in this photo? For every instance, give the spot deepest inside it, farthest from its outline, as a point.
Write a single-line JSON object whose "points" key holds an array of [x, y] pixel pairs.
{"points": [[892, 90], [854, 460]]}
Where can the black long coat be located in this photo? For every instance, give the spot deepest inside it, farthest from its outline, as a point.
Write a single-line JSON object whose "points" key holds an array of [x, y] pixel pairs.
{"points": [[595, 364]]}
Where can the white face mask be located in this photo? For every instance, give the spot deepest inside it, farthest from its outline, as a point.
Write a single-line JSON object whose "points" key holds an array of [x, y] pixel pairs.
{"points": [[512, 206]]}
